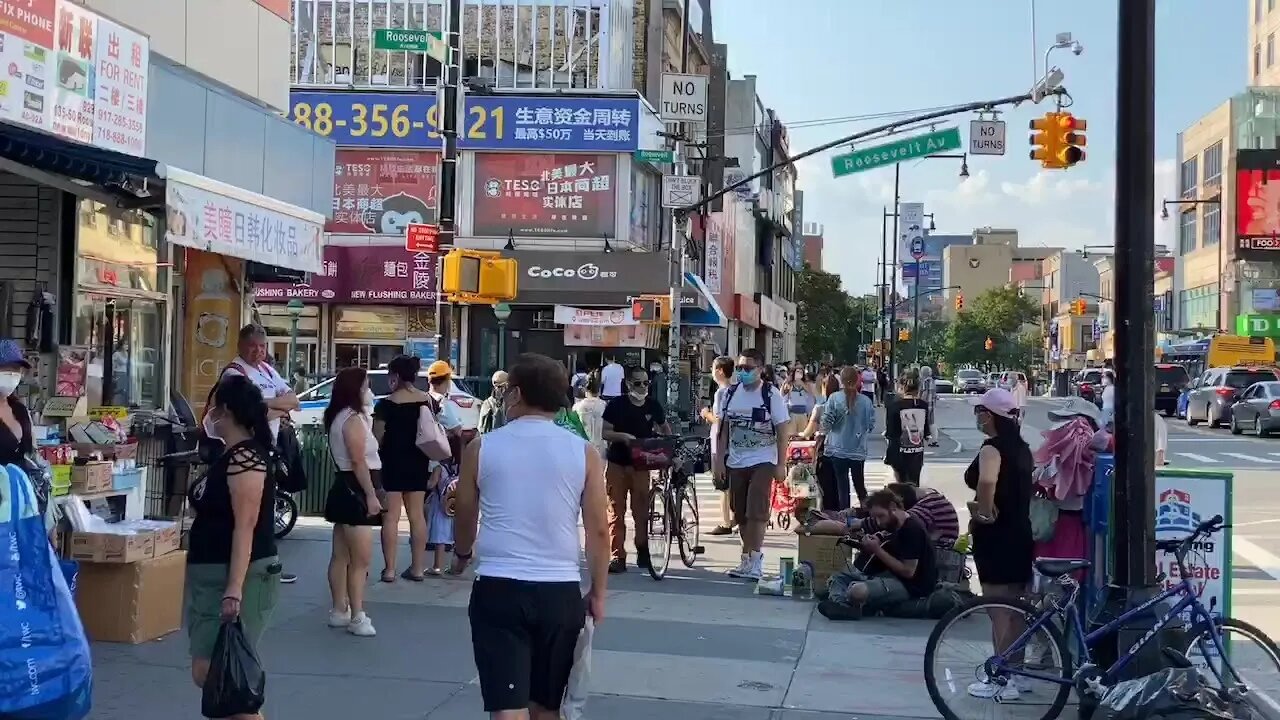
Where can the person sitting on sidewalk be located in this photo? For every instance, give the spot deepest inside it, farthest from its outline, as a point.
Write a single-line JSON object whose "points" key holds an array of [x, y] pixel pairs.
{"points": [[900, 565], [929, 506]]}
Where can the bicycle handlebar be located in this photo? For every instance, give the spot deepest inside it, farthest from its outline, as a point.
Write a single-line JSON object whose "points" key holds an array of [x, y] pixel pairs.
{"points": [[1180, 546]]}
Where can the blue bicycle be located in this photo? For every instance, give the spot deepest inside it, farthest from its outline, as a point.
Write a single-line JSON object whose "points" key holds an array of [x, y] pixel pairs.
{"points": [[1036, 671]]}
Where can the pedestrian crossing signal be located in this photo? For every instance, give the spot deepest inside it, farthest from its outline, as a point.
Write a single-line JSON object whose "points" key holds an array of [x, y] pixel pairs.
{"points": [[479, 277], [652, 309], [989, 345]]}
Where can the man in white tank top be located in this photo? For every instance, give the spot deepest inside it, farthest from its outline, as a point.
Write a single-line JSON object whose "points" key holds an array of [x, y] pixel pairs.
{"points": [[526, 484]]}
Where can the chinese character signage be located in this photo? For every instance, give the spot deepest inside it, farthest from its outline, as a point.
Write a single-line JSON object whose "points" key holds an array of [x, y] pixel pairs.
{"points": [[546, 195], [73, 73], [714, 253], [208, 215], [363, 275], [383, 191], [492, 122]]}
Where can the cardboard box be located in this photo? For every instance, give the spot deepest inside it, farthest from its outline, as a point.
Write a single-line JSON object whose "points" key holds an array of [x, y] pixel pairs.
{"points": [[132, 603], [827, 556], [92, 477], [164, 534], [112, 547]]}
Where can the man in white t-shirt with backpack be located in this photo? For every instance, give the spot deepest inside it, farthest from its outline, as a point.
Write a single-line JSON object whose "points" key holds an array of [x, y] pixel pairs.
{"points": [[750, 453]]}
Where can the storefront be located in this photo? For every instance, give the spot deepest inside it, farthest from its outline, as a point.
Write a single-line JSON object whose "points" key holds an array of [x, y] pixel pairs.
{"points": [[370, 303], [773, 326]]}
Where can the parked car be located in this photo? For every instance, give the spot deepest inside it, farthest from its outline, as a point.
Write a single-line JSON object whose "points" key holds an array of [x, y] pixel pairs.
{"points": [[1258, 409], [1171, 379], [942, 386], [315, 398], [1219, 389], [1087, 384], [969, 380], [1184, 398]]}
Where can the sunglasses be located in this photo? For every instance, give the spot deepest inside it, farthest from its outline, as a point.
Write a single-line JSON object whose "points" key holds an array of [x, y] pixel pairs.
{"points": [[745, 368], [639, 383]]}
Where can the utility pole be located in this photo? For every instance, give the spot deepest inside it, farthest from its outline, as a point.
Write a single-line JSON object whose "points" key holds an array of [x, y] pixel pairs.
{"points": [[893, 287], [678, 222], [915, 329], [447, 200], [1134, 485]]}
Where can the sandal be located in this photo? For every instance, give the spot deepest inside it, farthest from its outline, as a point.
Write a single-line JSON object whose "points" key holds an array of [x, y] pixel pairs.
{"points": [[433, 571], [408, 575], [388, 576]]}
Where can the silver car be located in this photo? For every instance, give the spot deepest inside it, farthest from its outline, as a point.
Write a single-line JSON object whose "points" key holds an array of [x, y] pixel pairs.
{"points": [[970, 381]]}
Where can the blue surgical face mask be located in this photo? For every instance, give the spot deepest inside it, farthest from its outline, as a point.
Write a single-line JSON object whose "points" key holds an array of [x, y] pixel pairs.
{"points": [[748, 377]]}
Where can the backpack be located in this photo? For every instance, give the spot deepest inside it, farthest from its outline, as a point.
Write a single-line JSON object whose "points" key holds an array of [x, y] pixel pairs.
{"points": [[765, 388]]}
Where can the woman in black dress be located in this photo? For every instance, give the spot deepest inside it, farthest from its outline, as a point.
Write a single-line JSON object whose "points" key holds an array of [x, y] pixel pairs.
{"points": [[405, 470], [1000, 521]]}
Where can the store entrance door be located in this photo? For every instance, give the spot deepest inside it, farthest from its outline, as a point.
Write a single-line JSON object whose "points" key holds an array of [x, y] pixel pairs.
{"points": [[365, 355], [306, 353]]}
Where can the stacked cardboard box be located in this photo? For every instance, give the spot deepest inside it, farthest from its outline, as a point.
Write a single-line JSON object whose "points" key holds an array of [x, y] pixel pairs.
{"points": [[131, 580]]}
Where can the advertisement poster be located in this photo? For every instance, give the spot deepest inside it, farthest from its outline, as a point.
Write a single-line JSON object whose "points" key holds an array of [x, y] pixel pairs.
{"points": [[212, 320], [1182, 503], [616, 317], [383, 191], [627, 336], [550, 195], [76, 37], [26, 34], [362, 275], [120, 89]]}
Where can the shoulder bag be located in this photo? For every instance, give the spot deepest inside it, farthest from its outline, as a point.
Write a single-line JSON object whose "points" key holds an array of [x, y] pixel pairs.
{"points": [[431, 439]]}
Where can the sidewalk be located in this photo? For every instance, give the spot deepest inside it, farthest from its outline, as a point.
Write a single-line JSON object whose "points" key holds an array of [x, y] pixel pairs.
{"points": [[697, 646]]}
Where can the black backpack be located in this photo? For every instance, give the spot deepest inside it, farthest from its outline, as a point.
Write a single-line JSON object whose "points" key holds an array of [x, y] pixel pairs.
{"points": [[765, 388]]}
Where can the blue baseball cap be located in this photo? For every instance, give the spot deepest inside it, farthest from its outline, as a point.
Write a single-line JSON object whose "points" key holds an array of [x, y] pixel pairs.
{"points": [[11, 354]]}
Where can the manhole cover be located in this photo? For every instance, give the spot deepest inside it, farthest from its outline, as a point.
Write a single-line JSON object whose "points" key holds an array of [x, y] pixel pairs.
{"points": [[753, 685]]}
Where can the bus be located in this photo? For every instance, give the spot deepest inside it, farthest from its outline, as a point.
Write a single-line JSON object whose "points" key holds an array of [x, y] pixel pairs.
{"points": [[1221, 351]]}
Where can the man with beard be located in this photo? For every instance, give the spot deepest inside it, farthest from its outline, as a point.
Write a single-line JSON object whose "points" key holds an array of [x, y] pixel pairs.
{"points": [[899, 564]]}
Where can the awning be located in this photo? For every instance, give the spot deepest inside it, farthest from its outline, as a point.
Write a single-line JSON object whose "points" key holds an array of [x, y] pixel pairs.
{"points": [[712, 316], [128, 175]]}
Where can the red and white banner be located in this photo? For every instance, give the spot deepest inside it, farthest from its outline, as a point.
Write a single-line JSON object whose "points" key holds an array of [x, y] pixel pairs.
{"points": [[614, 317]]}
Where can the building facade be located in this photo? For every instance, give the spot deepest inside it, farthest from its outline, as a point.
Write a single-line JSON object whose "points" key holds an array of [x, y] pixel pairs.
{"points": [[812, 239]]}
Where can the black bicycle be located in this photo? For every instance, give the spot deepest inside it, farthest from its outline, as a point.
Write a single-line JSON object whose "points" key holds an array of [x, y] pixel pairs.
{"points": [[673, 499]]}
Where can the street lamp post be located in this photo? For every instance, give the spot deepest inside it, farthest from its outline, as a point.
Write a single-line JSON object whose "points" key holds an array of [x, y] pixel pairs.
{"points": [[502, 312], [1164, 215], [295, 308]]}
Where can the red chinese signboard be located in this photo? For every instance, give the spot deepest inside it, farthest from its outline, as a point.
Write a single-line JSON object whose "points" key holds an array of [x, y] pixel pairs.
{"points": [[366, 275], [422, 238], [383, 191], [29, 20], [545, 195]]}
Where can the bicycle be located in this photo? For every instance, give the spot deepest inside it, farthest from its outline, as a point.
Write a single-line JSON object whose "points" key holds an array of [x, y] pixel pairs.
{"points": [[673, 501], [285, 507], [1000, 681]]}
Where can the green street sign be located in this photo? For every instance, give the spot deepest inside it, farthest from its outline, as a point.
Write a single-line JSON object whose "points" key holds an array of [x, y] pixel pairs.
{"points": [[423, 41], [656, 157], [896, 152]]}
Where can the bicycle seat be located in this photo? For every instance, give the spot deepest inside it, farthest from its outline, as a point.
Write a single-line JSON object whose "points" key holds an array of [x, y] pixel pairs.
{"points": [[1054, 567]]}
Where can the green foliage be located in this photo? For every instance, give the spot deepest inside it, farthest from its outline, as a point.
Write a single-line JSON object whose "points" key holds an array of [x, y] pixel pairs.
{"points": [[831, 323], [1004, 315]]}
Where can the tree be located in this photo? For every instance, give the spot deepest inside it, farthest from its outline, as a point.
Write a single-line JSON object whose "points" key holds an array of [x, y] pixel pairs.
{"points": [[1004, 315], [828, 318]]}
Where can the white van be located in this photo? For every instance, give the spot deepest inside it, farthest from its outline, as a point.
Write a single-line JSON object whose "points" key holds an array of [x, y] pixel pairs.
{"points": [[316, 398]]}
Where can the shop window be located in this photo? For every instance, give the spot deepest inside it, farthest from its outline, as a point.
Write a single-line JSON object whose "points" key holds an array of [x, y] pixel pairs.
{"points": [[126, 338], [117, 249]]}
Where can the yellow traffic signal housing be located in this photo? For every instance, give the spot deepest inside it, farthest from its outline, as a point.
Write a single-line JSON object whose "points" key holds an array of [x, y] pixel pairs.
{"points": [[652, 309], [479, 276], [1079, 306], [1046, 141], [1072, 139], [959, 302], [989, 344], [904, 335]]}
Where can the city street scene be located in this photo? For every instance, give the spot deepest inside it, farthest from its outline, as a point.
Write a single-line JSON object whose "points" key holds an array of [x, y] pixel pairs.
{"points": [[621, 359]]}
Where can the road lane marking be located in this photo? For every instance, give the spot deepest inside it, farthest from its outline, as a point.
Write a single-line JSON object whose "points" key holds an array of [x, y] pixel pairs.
{"points": [[1256, 591], [1198, 458], [1255, 522], [1257, 556], [1251, 458]]}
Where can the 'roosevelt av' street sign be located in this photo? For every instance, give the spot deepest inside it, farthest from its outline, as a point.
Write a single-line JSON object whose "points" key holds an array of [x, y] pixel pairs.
{"points": [[895, 152]]}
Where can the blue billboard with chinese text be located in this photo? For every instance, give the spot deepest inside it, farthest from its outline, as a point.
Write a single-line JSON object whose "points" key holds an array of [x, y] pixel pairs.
{"points": [[489, 122]]}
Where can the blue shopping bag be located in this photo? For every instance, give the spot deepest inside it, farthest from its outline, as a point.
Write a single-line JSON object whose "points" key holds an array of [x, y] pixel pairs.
{"points": [[45, 669]]}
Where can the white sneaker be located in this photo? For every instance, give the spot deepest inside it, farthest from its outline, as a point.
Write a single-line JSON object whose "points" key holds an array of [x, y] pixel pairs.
{"points": [[752, 567], [361, 626], [339, 618], [995, 691]]}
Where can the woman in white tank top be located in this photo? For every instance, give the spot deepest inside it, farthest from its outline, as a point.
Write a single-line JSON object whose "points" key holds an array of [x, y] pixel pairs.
{"points": [[526, 484], [355, 500]]}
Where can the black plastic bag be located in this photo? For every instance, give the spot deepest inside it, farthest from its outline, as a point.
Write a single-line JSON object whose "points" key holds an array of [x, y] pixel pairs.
{"points": [[1171, 694], [236, 683]]}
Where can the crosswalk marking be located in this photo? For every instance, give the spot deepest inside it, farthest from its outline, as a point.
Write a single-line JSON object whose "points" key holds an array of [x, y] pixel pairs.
{"points": [[1198, 458], [1251, 458]]}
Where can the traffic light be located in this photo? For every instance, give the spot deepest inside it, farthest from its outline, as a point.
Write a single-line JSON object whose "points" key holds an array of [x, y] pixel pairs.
{"points": [[959, 302], [479, 276], [1058, 140], [1079, 307], [1073, 139], [904, 335], [989, 345], [652, 309]]}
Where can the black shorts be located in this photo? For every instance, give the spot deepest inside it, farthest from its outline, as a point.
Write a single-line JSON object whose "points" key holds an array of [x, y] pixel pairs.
{"points": [[523, 635]]}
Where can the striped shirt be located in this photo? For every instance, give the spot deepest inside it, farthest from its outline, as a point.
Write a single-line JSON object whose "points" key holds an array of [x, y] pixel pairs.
{"points": [[934, 510]]}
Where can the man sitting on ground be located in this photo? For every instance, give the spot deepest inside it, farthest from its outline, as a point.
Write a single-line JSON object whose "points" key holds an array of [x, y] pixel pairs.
{"points": [[900, 565], [927, 505]]}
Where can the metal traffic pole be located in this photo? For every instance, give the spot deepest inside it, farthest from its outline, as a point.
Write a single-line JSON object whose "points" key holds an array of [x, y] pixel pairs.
{"points": [[679, 225], [449, 91]]}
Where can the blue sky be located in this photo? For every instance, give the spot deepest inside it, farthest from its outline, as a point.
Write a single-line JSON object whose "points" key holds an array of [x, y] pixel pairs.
{"points": [[817, 59]]}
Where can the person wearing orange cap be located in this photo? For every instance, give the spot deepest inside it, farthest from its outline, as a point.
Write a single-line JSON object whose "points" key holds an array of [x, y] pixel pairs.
{"points": [[440, 377]]}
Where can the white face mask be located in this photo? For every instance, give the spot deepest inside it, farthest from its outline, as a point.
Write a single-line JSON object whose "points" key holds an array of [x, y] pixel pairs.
{"points": [[9, 382], [210, 427], [368, 397]]}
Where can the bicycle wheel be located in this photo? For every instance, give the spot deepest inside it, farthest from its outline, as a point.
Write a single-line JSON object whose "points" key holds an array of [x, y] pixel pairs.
{"points": [[963, 689], [659, 531], [689, 538], [1254, 656], [286, 514]]}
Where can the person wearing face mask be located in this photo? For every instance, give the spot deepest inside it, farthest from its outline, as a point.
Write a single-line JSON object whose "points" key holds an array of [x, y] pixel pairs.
{"points": [[750, 454], [15, 420], [355, 500], [634, 416], [1108, 400], [233, 570], [590, 410], [722, 374], [1003, 545], [406, 470], [492, 415]]}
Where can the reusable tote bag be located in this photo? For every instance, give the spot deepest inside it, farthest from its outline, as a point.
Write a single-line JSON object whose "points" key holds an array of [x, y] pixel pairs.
{"points": [[45, 669]]}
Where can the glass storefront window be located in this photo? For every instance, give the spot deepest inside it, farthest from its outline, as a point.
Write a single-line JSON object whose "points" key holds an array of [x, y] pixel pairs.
{"points": [[117, 250], [368, 336], [127, 339]]}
